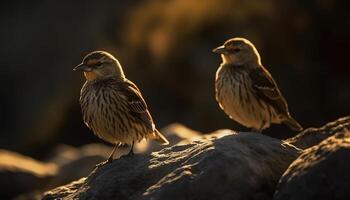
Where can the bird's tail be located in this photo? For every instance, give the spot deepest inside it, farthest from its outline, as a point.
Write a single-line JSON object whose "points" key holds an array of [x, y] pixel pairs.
{"points": [[293, 124], [159, 137]]}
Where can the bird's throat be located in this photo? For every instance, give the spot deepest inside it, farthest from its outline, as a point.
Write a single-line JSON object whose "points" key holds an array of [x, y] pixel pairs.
{"points": [[90, 76]]}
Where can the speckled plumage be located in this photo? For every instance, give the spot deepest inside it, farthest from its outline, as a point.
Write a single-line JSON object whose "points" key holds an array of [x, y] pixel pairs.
{"points": [[246, 91], [112, 106], [232, 93], [108, 110]]}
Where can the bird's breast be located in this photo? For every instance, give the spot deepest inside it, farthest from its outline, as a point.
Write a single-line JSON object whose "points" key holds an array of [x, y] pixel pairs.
{"points": [[106, 112], [232, 92], [102, 109], [236, 98]]}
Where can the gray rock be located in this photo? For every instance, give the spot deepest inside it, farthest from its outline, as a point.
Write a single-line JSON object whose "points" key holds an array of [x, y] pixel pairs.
{"points": [[236, 166], [321, 172], [313, 136]]}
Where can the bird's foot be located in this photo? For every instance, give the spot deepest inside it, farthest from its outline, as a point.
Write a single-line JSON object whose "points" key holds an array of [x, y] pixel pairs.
{"points": [[131, 153], [108, 161], [254, 130]]}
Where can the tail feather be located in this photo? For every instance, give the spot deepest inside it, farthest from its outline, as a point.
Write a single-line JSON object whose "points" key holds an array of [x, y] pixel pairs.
{"points": [[159, 137], [293, 124]]}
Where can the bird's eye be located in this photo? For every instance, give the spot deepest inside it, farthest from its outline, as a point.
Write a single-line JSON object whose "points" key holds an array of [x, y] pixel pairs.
{"points": [[98, 64], [236, 50]]}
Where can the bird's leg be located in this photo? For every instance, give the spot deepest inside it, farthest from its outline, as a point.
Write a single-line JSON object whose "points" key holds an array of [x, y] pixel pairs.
{"points": [[131, 152], [255, 130], [259, 130], [110, 158]]}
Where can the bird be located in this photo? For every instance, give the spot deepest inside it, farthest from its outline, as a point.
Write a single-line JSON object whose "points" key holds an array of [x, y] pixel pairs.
{"points": [[246, 91], [112, 106]]}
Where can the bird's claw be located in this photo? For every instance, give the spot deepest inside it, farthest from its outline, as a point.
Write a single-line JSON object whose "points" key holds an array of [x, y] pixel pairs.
{"points": [[109, 160]]}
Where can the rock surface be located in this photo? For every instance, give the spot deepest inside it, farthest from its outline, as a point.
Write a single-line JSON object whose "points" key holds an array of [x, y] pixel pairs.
{"points": [[198, 163], [234, 166], [321, 172], [313, 136], [28, 177]]}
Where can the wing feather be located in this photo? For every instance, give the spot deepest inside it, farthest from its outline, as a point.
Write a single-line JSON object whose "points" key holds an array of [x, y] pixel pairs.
{"points": [[267, 89], [136, 103]]}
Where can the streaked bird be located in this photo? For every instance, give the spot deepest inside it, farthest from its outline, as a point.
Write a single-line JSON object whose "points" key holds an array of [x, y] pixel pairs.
{"points": [[246, 91], [112, 106]]}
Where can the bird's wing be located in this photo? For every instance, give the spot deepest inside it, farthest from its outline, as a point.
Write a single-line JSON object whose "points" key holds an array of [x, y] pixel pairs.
{"points": [[137, 105], [267, 89]]}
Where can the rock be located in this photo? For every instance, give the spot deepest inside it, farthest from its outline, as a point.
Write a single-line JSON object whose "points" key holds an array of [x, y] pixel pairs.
{"points": [[74, 163], [21, 174], [174, 132], [64, 154], [177, 133], [68, 163], [27, 177], [321, 172], [235, 166], [313, 136]]}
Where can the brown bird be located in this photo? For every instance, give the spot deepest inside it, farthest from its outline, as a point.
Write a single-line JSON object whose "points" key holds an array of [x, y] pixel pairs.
{"points": [[112, 106], [246, 91]]}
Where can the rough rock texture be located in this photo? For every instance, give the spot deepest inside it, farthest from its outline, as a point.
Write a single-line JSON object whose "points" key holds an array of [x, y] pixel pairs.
{"points": [[28, 178], [321, 172], [235, 166], [313, 136]]}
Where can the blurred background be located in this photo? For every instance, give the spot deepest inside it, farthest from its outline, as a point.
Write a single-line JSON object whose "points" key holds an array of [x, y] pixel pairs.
{"points": [[165, 48]]}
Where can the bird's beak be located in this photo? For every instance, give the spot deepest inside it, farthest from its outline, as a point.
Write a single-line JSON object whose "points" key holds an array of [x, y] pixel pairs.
{"points": [[220, 50], [82, 67]]}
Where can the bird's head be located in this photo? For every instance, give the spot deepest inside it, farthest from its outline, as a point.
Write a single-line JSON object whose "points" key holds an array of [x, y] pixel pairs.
{"points": [[100, 64], [238, 52]]}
